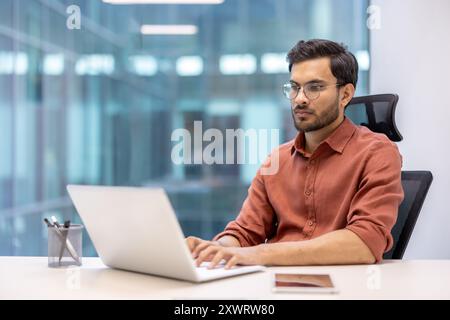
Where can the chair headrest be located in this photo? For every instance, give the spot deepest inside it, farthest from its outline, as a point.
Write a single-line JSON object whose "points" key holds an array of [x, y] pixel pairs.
{"points": [[377, 112]]}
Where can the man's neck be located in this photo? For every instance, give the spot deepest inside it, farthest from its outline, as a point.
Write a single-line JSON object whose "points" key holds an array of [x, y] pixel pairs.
{"points": [[314, 138]]}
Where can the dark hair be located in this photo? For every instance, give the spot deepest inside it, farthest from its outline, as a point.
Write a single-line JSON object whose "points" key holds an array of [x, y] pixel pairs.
{"points": [[343, 63]]}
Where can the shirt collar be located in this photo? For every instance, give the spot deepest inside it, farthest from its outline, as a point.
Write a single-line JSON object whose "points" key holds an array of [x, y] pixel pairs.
{"points": [[337, 140]]}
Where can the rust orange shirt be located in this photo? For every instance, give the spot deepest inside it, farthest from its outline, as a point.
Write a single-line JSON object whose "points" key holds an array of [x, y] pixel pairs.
{"points": [[351, 181]]}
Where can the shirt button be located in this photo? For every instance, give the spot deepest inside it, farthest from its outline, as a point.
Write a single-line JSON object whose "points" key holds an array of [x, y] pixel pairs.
{"points": [[308, 192], [310, 223]]}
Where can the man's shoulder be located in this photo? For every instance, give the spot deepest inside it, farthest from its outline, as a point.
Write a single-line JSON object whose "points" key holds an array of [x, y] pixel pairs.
{"points": [[368, 146], [366, 139]]}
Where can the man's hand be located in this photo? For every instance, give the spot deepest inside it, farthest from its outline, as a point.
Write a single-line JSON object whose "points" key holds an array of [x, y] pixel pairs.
{"points": [[196, 245], [214, 252]]}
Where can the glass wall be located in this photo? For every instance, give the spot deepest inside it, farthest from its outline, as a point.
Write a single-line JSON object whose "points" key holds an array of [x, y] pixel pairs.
{"points": [[98, 105]]}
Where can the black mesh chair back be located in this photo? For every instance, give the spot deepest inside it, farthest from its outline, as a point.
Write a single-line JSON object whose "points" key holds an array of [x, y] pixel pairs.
{"points": [[377, 112], [415, 186]]}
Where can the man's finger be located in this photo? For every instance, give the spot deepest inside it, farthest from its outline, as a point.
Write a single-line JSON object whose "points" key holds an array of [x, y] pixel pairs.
{"points": [[192, 242], [217, 258], [205, 254], [232, 262], [200, 247]]}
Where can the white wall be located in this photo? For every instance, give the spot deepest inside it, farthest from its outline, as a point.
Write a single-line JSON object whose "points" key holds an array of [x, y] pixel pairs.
{"points": [[411, 57]]}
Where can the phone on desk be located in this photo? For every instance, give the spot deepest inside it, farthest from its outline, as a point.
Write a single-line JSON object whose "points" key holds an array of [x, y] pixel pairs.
{"points": [[303, 283]]}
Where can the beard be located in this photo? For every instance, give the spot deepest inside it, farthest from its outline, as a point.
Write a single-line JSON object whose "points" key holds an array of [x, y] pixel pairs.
{"points": [[330, 114]]}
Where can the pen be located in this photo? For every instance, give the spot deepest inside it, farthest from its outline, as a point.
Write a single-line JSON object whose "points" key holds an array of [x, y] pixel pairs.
{"points": [[68, 243], [65, 241], [48, 223], [65, 232], [55, 222]]}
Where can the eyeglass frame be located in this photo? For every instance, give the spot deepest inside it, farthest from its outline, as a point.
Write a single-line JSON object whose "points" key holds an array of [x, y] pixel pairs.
{"points": [[302, 88]]}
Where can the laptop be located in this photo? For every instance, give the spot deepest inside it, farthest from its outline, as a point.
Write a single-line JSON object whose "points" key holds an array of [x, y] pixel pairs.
{"points": [[136, 229]]}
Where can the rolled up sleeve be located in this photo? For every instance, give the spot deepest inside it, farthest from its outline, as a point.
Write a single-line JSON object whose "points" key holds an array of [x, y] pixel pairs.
{"points": [[374, 208]]}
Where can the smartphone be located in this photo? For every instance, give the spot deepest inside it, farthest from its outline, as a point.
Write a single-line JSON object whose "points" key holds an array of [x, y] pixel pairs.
{"points": [[304, 283]]}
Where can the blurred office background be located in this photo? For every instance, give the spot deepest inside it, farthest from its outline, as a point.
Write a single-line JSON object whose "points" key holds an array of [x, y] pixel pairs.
{"points": [[98, 105]]}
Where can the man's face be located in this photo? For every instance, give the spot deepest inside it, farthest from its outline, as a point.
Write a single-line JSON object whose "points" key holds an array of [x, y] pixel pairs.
{"points": [[308, 114]]}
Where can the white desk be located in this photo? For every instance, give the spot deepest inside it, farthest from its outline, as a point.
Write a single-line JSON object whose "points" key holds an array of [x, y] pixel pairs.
{"points": [[30, 278]]}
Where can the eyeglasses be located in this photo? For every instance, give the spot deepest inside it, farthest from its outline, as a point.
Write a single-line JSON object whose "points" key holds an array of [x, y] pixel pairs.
{"points": [[310, 90]]}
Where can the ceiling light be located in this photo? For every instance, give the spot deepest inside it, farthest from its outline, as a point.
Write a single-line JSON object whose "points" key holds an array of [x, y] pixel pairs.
{"points": [[164, 1], [168, 29]]}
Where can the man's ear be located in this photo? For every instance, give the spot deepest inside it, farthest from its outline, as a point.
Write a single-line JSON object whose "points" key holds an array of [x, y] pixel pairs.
{"points": [[347, 93]]}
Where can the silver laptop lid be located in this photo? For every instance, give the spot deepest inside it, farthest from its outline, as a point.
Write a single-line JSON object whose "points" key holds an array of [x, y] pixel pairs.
{"points": [[134, 229]]}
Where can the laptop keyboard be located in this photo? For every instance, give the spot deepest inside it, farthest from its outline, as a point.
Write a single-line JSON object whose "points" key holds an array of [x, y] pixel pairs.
{"points": [[205, 265]]}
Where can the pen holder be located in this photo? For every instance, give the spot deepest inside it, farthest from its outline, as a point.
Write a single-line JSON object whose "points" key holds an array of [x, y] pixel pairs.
{"points": [[65, 246]]}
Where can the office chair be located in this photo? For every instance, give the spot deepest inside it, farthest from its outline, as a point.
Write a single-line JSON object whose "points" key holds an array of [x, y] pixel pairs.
{"points": [[415, 186], [377, 112]]}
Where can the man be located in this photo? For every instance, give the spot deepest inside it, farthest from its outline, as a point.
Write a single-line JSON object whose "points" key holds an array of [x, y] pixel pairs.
{"points": [[335, 197]]}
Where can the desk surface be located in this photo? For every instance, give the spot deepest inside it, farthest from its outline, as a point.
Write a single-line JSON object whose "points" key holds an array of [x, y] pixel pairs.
{"points": [[30, 278]]}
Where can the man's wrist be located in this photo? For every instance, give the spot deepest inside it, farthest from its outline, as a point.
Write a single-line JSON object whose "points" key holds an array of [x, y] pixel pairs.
{"points": [[263, 253], [228, 241], [285, 253]]}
